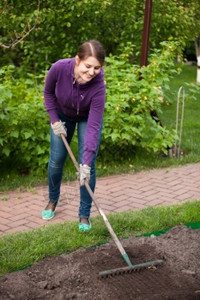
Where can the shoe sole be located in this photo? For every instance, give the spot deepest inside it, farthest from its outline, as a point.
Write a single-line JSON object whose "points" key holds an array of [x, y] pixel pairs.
{"points": [[47, 218]]}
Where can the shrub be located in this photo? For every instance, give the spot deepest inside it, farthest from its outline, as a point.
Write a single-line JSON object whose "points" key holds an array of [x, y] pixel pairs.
{"points": [[133, 93], [23, 120]]}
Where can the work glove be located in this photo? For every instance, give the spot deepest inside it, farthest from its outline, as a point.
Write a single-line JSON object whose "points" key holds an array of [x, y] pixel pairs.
{"points": [[59, 128], [84, 174]]}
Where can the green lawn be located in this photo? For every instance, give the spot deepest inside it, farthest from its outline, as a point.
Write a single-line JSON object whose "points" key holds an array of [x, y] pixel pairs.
{"points": [[191, 124]]}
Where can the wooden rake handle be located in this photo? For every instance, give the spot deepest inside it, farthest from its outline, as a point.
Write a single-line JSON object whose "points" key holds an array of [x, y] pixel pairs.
{"points": [[112, 233]]}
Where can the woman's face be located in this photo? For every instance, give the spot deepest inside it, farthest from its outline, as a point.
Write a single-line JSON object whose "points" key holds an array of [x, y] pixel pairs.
{"points": [[87, 69]]}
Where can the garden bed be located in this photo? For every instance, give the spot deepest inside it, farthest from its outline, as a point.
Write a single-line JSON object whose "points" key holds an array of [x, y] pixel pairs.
{"points": [[75, 275]]}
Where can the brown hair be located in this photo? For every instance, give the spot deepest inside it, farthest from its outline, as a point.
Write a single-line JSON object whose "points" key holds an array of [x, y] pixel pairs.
{"points": [[92, 48]]}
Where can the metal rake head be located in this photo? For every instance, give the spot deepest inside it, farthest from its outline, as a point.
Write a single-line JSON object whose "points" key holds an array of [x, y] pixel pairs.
{"points": [[130, 269]]}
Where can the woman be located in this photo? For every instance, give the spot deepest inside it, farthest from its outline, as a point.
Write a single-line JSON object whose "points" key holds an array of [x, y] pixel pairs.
{"points": [[74, 95]]}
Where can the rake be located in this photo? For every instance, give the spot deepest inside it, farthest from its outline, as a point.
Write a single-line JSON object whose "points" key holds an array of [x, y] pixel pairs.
{"points": [[130, 267]]}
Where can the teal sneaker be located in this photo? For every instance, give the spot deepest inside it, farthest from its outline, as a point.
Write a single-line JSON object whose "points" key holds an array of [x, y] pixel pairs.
{"points": [[85, 227], [49, 212]]}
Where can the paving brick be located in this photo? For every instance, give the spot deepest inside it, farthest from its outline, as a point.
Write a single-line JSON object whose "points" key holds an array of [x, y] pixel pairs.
{"points": [[155, 202], [106, 200], [133, 191], [140, 195], [122, 203], [137, 206], [184, 196], [120, 198], [36, 212], [17, 229], [106, 212], [18, 223], [17, 217], [5, 221], [151, 198], [3, 228], [4, 214], [32, 225], [122, 209], [137, 200], [69, 212], [5, 209], [149, 193], [180, 191], [33, 207], [22, 210], [36, 219]]}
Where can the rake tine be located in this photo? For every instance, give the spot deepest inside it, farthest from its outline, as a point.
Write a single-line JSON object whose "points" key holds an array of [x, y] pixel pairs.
{"points": [[128, 270]]}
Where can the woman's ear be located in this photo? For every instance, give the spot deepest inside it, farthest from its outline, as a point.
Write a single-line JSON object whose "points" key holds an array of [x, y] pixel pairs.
{"points": [[77, 60]]}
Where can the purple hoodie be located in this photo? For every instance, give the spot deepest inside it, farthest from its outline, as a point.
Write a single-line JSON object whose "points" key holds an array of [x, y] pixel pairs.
{"points": [[77, 101]]}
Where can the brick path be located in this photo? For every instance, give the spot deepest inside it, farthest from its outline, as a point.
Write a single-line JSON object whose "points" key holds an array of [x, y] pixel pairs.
{"points": [[21, 211]]}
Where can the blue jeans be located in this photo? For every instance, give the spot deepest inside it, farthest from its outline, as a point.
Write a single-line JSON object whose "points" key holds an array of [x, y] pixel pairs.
{"points": [[58, 155]]}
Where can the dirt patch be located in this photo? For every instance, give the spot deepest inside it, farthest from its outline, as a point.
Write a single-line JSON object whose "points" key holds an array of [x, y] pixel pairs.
{"points": [[75, 276]]}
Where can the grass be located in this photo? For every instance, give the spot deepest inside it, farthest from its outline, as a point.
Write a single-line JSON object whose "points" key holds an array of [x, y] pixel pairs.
{"points": [[21, 250], [191, 127]]}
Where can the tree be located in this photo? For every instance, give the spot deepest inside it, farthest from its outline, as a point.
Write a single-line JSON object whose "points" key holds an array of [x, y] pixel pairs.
{"points": [[18, 35], [63, 24]]}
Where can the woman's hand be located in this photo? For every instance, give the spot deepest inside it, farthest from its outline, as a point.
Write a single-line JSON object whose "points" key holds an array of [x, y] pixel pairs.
{"points": [[84, 174], [59, 128]]}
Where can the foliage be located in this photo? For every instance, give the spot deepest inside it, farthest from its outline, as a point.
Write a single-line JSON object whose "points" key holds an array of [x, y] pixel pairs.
{"points": [[132, 94], [62, 25], [23, 120], [131, 159], [177, 20]]}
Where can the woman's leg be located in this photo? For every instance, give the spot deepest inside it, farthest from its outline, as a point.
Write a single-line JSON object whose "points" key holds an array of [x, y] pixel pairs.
{"points": [[58, 154], [57, 159], [85, 199]]}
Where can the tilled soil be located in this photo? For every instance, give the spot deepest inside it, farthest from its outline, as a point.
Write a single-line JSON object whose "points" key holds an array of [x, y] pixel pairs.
{"points": [[76, 275]]}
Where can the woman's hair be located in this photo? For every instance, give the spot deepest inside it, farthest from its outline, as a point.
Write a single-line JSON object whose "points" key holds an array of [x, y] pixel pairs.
{"points": [[92, 48]]}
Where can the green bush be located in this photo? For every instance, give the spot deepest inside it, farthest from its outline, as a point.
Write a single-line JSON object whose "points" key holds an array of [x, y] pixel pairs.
{"points": [[23, 120], [61, 25], [132, 94]]}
